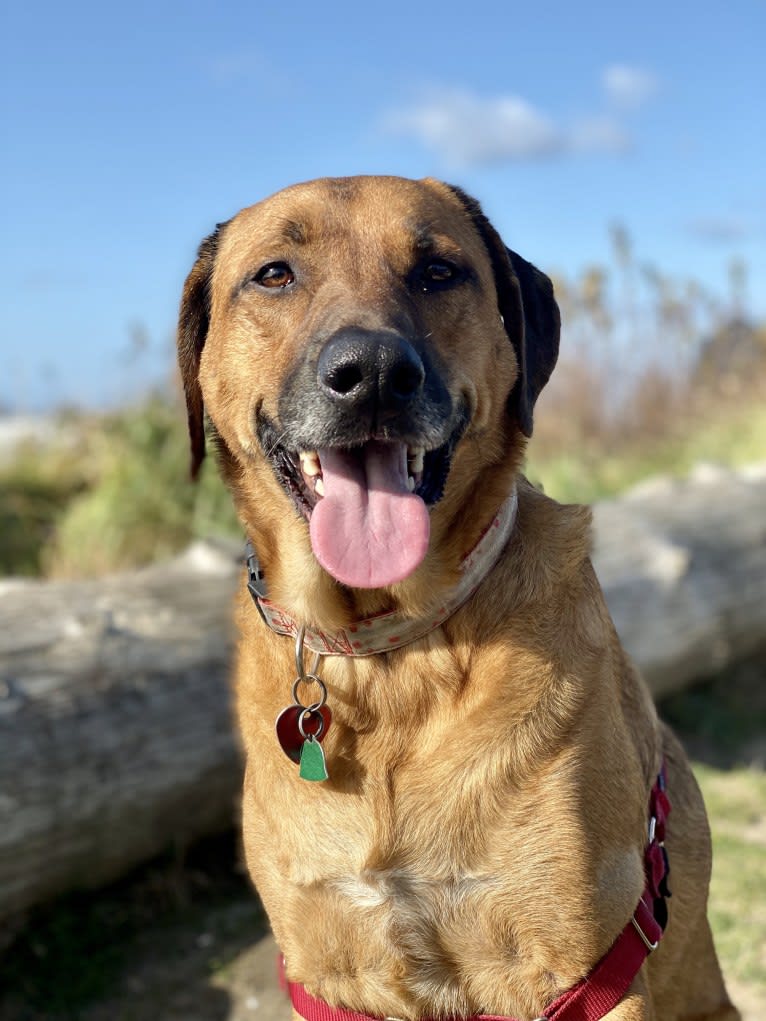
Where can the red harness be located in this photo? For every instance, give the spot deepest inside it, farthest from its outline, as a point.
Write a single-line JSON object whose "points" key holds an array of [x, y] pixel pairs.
{"points": [[601, 990]]}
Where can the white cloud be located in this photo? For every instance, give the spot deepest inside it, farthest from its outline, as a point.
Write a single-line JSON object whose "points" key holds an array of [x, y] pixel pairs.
{"points": [[467, 129], [600, 134], [629, 87]]}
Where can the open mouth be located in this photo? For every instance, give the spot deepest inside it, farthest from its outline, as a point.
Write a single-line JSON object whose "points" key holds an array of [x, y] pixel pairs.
{"points": [[367, 506], [302, 473]]}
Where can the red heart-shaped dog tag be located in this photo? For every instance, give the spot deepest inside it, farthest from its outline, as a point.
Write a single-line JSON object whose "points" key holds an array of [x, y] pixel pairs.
{"points": [[316, 723]]}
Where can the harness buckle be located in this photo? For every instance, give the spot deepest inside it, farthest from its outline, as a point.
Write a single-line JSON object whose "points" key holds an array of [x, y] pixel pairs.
{"points": [[256, 581], [645, 939]]}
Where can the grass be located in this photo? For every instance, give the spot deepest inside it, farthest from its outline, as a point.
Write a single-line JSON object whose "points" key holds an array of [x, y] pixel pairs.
{"points": [[722, 726], [593, 473], [143, 507], [735, 801], [78, 951], [591, 443], [116, 497], [34, 488]]}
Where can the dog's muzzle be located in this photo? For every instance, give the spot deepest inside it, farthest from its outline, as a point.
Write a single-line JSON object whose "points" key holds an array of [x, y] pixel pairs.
{"points": [[363, 445]]}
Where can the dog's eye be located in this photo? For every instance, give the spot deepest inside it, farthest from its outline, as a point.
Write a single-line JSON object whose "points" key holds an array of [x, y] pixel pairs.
{"points": [[274, 274], [437, 272]]}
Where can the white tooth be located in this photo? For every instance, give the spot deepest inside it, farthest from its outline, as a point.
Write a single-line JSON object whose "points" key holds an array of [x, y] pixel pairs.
{"points": [[310, 462], [410, 483], [416, 461], [319, 487]]}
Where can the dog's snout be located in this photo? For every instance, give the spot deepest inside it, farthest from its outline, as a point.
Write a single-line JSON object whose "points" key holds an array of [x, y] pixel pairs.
{"points": [[372, 371]]}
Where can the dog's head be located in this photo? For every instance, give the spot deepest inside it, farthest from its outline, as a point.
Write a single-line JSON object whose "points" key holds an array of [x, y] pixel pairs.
{"points": [[365, 349]]}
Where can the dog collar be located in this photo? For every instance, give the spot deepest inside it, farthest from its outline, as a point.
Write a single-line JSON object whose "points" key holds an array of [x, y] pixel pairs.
{"points": [[391, 630], [598, 993]]}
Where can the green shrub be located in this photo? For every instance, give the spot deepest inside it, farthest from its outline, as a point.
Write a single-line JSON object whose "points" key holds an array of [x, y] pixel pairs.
{"points": [[35, 488], [583, 472], [141, 505]]}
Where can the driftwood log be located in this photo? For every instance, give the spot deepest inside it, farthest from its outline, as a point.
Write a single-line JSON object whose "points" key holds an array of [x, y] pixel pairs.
{"points": [[115, 721], [683, 567]]}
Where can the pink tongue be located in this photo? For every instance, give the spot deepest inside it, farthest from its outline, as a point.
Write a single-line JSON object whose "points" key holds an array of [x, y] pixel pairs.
{"points": [[368, 530]]}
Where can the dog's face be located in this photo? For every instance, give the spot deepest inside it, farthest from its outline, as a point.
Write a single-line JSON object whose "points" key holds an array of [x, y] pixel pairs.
{"points": [[355, 342]]}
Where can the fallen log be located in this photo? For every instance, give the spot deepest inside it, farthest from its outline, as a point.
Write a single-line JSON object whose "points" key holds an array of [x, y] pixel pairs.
{"points": [[116, 739], [683, 568], [115, 723]]}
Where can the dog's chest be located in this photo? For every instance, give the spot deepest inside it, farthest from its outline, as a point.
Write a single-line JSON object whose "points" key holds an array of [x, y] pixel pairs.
{"points": [[438, 889]]}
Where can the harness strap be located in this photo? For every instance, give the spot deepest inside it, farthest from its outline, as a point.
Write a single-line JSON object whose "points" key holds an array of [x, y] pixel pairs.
{"points": [[603, 988]]}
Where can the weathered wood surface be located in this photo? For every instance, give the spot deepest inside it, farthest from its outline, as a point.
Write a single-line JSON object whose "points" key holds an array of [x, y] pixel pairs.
{"points": [[683, 567], [115, 723], [115, 720]]}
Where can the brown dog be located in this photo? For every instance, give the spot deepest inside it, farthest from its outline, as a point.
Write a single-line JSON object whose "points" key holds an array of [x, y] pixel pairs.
{"points": [[369, 354]]}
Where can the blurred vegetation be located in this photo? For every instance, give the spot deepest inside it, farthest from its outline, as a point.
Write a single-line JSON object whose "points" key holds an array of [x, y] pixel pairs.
{"points": [[737, 909], [35, 487], [655, 375], [721, 724], [113, 492], [141, 504]]}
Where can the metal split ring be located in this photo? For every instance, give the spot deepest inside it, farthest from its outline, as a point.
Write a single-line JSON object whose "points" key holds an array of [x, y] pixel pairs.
{"points": [[309, 679], [317, 734]]}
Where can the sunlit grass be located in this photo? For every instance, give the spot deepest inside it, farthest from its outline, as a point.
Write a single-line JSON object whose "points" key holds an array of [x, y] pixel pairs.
{"points": [[35, 489], [116, 494], [585, 471], [736, 804]]}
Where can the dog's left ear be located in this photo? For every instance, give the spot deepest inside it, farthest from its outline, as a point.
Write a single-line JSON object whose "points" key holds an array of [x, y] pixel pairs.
{"points": [[193, 323], [529, 310]]}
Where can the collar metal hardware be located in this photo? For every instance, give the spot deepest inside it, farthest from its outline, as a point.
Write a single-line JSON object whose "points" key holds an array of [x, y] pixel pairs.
{"points": [[301, 727]]}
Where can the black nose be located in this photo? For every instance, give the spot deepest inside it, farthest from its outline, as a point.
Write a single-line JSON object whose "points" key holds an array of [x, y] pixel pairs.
{"points": [[370, 371]]}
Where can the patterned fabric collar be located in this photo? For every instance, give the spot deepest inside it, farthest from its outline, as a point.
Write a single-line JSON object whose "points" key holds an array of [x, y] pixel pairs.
{"points": [[392, 630]]}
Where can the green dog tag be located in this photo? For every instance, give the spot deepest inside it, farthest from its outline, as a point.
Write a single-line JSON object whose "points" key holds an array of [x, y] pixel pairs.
{"points": [[312, 761]]}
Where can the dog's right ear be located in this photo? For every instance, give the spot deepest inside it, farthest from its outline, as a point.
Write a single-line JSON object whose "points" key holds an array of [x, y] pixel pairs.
{"points": [[193, 323], [528, 310]]}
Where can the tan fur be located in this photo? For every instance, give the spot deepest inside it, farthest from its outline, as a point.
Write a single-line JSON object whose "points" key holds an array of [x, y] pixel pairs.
{"points": [[479, 845]]}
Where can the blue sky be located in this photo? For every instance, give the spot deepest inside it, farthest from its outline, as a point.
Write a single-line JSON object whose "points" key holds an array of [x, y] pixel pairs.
{"points": [[131, 129]]}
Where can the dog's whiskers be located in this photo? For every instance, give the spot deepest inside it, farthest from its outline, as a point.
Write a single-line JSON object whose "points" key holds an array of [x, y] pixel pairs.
{"points": [[277, 442]]}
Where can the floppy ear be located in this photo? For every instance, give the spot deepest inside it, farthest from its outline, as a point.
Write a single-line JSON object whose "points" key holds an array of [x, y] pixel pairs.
{"points": [[193, 322], [529, 310]]}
